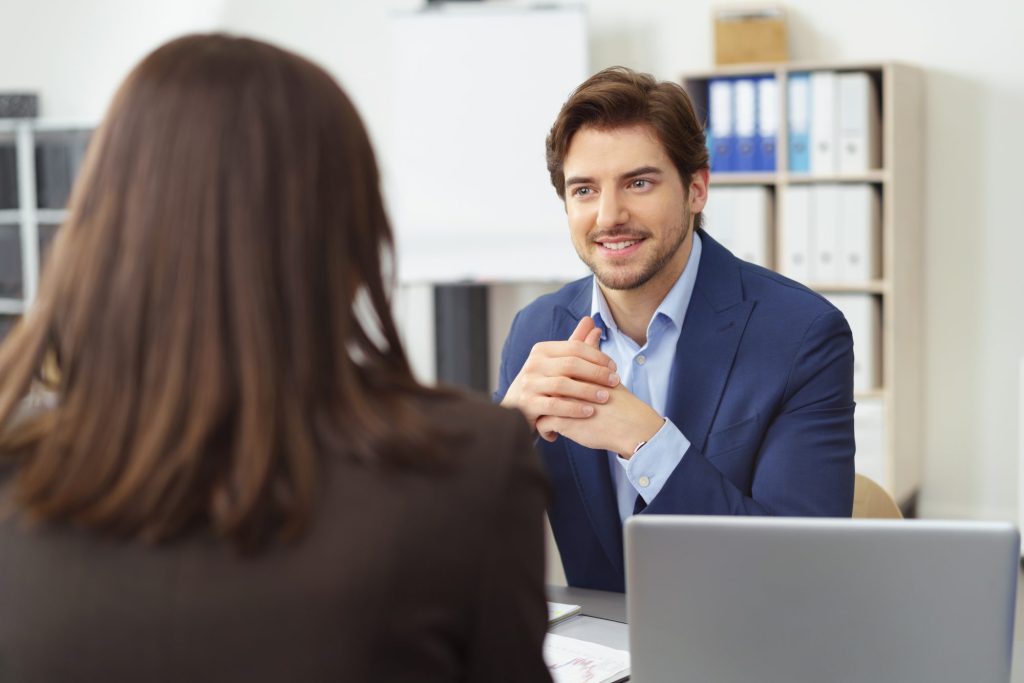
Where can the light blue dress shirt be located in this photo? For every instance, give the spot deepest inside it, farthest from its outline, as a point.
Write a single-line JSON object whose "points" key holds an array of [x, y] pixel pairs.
{"points": [[645, 372]]}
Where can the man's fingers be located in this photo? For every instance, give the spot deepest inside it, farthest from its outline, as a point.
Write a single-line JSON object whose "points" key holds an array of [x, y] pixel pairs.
{"points": [[554, 406], [583, 328], [566, 387], [594, 338], [547, 427], [579, 369], [578, 348]]}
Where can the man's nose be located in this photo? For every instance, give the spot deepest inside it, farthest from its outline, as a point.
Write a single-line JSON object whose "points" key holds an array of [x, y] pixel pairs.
{"points": [[611, 211]]}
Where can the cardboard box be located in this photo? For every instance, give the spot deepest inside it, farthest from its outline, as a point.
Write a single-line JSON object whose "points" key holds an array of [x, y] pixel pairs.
{"points": [[750, 35]]}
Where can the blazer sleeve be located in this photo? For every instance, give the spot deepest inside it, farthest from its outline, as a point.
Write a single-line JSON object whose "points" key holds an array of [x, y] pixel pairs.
{"points": [[511, 616], [506, 371], [804, 465]]}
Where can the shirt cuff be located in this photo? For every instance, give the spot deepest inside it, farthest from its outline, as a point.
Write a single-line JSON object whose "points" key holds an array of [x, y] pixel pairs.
{"points": [[652, 465]]}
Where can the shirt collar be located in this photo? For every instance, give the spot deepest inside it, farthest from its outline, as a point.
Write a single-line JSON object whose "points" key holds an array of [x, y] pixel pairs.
{"points": [[673, 306]]}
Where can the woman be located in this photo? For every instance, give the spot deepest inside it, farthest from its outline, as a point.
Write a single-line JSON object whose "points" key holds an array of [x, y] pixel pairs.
{"points": [[237, 477]]}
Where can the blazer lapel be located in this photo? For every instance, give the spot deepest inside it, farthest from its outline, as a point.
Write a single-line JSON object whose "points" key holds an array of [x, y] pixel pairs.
{"points": [[590, 466], [711, 334]]}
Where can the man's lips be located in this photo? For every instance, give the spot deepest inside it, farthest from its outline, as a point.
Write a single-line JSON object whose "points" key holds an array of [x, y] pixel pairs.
{"points": [[618, 247]]}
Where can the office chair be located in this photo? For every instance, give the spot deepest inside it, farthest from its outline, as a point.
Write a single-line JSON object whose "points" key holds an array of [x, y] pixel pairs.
{"points": [[871, 501]]}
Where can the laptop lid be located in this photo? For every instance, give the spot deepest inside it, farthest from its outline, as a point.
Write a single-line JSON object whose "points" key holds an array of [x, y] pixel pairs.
{"points": [[797, 600]]}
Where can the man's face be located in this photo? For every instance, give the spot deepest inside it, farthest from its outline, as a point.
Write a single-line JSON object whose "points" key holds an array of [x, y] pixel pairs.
{"points": [[629, 212]]}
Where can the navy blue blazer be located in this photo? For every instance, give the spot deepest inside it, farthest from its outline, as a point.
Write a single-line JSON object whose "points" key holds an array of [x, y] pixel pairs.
{"points": [[762, 386]]}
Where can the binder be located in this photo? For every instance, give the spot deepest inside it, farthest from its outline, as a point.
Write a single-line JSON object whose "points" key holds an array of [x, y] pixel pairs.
{"points": [[869, 435], [863, 313], [720, 115], [799, 122], [753, 215], [8, 177], [824, 133], [825, 228], [795, 237], [740, 218], [767, 123], [859, 123], [745, 123], [860, 233], [11, 285], [720, 217]]}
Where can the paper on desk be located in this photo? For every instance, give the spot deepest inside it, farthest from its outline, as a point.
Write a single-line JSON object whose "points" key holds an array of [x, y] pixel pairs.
{"points": [[577, 661], [558, 611]]}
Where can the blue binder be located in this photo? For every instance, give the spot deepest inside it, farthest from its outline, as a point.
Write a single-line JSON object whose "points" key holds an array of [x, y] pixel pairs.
{"points": [[745, 123], [767, 123], [799, 122], [721, 121]]}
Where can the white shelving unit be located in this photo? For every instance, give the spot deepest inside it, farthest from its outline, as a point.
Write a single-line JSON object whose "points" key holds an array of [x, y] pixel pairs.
{"points": [[899, 290], [32, 202]]}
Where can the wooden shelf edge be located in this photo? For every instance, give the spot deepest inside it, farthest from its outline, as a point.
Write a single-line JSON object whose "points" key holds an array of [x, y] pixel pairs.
{"points": [[870, 287]]}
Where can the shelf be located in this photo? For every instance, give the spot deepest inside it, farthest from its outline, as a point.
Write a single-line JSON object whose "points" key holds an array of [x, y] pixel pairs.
{"points": [[769, 68], [892, 437], [48, 216], [12, 306], [871, 287], [743, 178], [729, 178], [44, 216], [870, 395], [876, 176]]}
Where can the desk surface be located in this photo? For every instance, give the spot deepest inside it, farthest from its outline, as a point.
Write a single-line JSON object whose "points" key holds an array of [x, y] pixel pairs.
{"points": [[602, 620]]}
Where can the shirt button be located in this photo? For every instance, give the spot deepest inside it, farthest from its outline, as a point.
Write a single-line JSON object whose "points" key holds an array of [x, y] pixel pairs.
{"points": [[644, 482], [640, 360]]}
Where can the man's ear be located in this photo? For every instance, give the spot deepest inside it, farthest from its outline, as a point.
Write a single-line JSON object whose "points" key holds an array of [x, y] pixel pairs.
{"points": [[699, 190]]}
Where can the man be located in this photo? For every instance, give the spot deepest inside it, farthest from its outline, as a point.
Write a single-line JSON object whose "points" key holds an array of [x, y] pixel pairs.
{"points": [[678, 379]]}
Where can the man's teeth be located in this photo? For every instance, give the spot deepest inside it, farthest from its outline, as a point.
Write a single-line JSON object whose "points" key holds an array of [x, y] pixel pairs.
{"points": [[615, 246]]}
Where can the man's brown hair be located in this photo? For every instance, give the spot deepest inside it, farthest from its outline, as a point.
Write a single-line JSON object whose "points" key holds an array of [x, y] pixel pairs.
{"points": [[618, 97], [214, 310]]}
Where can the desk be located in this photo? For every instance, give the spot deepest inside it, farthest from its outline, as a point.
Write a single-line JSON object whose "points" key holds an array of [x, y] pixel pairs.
{"points": [[602, 620]]}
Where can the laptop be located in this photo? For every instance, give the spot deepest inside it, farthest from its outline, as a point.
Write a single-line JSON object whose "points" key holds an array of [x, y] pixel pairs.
{"points": [[800, 600]]}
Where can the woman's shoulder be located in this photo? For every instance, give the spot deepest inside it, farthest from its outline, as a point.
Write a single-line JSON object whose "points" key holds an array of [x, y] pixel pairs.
{"points": [[477, 432], [471, 412]]}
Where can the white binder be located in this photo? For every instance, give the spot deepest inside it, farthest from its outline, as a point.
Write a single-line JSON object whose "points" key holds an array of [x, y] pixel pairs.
{"points": [[863, 313], [869, 434], [859, 233], [826, 237], [859, 123], [720, 217], [824, 134], [795, 237], [740, 218], [754, 224]]}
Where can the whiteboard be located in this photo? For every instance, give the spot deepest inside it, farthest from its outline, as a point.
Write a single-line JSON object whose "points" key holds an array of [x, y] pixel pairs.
{"points": [[476, 90]]}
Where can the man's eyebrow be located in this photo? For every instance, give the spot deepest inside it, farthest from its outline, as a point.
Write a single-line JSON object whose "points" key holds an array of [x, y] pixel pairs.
{"points": [[578, 180], [643, 170]]}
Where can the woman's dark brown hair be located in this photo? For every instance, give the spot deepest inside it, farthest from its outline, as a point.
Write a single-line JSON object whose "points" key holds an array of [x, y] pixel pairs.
{"points": [[216, 307], [618, 97]]}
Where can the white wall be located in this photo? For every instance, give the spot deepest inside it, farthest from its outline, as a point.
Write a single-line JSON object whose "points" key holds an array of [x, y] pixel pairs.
{"points": [[75, 53]]}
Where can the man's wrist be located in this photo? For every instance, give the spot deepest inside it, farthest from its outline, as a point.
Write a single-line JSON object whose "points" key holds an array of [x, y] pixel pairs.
{"points": [[640, 438]]}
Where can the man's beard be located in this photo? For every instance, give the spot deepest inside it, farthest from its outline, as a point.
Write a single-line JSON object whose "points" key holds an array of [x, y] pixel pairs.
{"points": [[625, 279]]}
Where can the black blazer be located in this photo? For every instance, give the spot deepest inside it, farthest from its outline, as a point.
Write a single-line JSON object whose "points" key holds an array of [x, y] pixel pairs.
{"points": [[403, 576]]}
